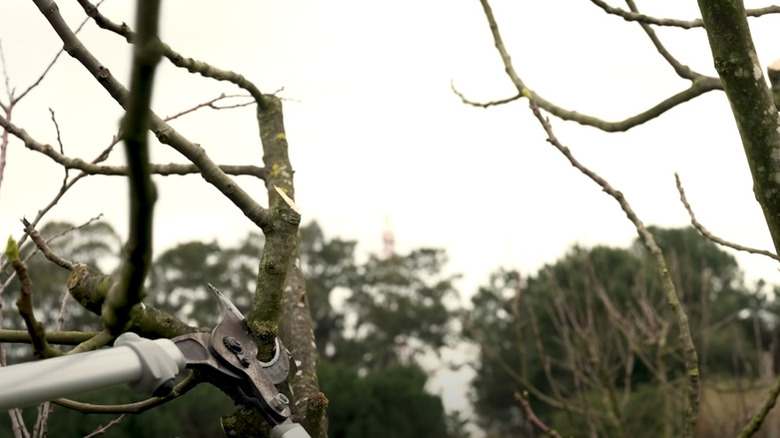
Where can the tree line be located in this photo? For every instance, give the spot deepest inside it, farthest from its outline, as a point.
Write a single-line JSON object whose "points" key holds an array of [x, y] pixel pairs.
{"points": [[585, 345]]}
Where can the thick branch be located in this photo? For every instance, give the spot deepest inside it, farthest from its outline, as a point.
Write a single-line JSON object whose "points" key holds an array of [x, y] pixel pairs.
{"points": [[751, 101], [146, 54], [281, 234], [90, 287]]}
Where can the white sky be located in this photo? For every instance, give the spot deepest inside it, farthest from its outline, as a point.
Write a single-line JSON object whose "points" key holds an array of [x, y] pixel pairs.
{"points": [[375, 130]]}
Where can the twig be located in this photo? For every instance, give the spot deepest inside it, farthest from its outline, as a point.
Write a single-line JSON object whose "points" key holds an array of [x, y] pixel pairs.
{"points": [[51, 64], [164, 132], [92, 168], [59, 142], [706, 233], [180, 389], [682, 70], [691, 357], [210, 104], [191, 65], [103, 429], [99, 340], [44, 247], [530, 416]]}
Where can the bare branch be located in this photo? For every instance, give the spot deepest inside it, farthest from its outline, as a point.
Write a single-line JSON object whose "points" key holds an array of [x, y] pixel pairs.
{"points": [[93, 169], [706, 233], [683, 24], [131, 408], [103, 429], [210, 104], [44, 247], [51, 64], [58, 337], [529, 414], [191, 65], [59, 142], [683, 71], [164, 132], [691, 357], [699, 86], [752, 105], [41, 348], [135, 126]]}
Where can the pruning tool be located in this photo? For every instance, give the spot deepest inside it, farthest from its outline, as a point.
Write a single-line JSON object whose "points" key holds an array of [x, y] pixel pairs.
{"points": [[226, 357]]}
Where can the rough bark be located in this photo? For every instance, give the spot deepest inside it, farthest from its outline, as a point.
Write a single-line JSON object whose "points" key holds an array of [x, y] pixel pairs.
{"points": [[757, 118], [751, 101]]}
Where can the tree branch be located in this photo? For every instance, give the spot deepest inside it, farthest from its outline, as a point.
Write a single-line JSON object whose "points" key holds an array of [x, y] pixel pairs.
{"points": [[44, 247], [41, 347], [135, 126], [683, 24], [164, 132], [531, 416], [699, 86], [93, 168], [180, 389], [751, 101], [59, 337], [706, 233], [683, 71], [689, 349], [191, 65]]}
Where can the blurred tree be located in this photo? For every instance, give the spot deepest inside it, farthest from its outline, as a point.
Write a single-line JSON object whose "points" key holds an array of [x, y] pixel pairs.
{"points": [[586, 333], [384, 403], [181, 273], [403, 307]]}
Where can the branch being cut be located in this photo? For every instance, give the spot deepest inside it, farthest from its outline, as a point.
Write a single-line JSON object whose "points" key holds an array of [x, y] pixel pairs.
{"points": [[706, 233], [689, 349], [699, 85]]}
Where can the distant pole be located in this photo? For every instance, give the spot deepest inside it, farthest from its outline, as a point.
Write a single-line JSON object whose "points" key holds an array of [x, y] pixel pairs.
{"points": [[388, 239]]}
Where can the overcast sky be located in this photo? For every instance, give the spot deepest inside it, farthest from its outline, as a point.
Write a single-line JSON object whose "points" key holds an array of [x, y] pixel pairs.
{"points": [[375, 131]]}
